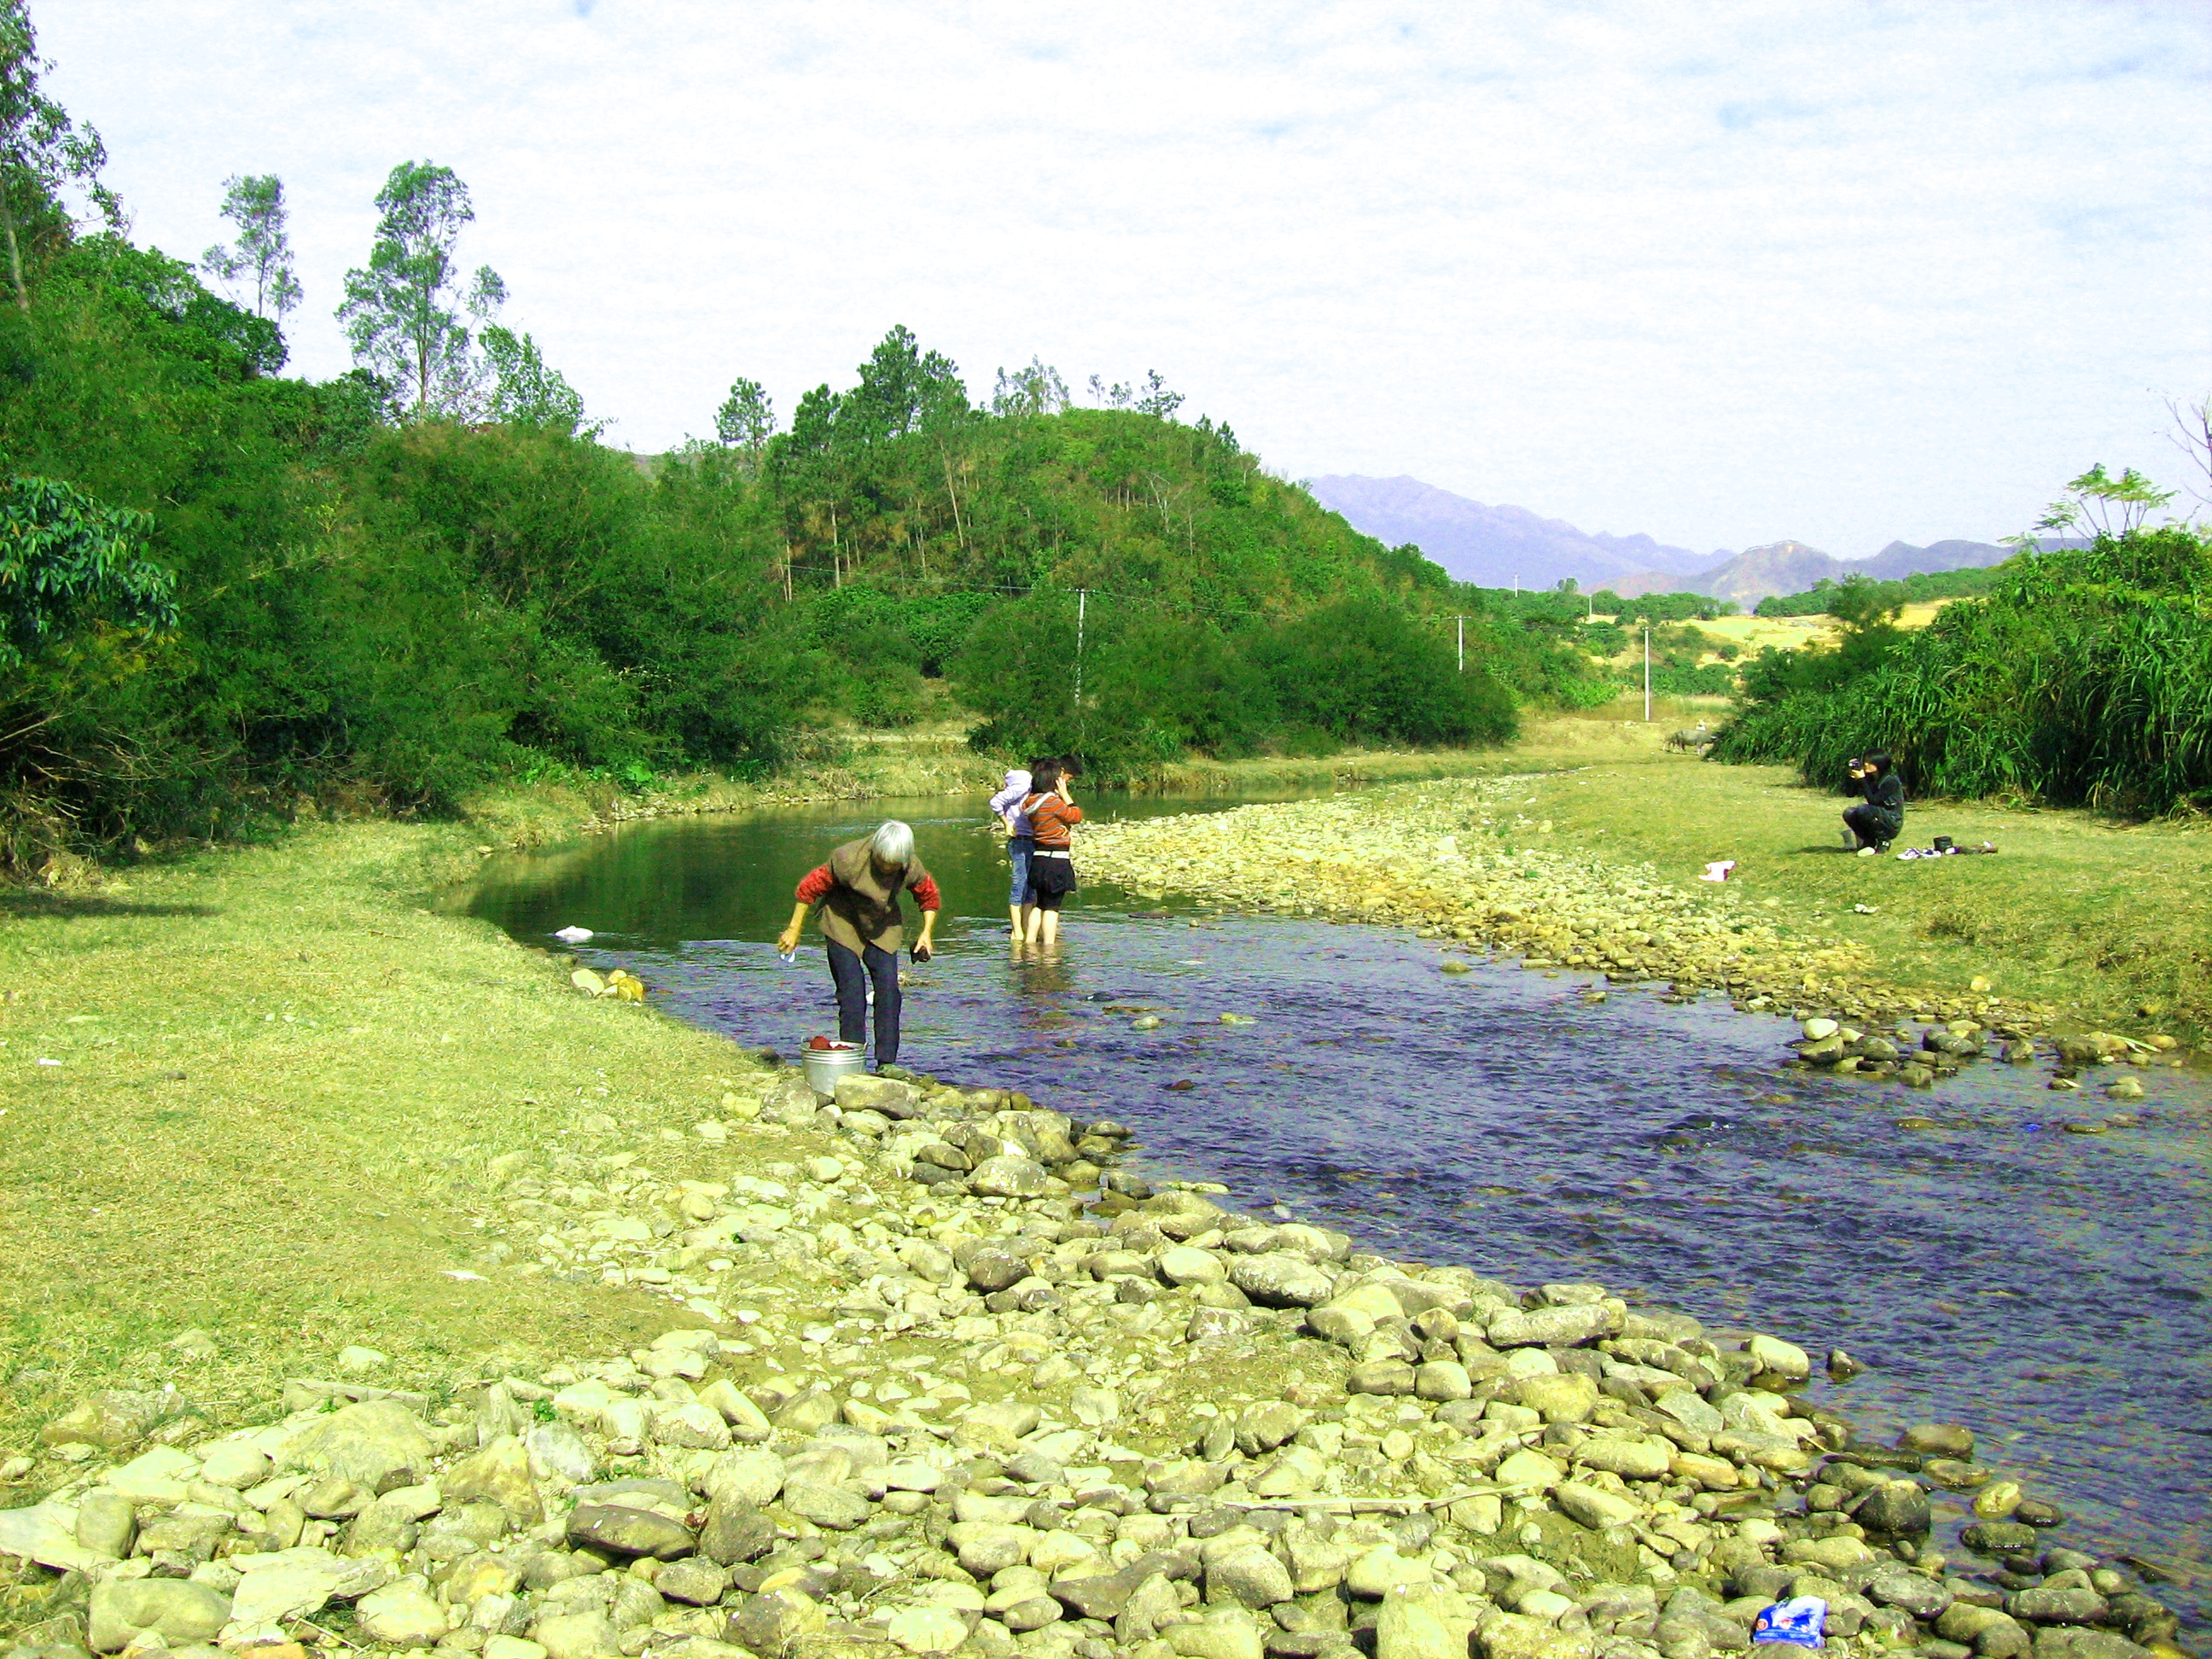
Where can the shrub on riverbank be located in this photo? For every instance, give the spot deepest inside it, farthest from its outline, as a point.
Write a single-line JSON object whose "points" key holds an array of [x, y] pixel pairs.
{"points": [[1155, 688], [2083, 677]]}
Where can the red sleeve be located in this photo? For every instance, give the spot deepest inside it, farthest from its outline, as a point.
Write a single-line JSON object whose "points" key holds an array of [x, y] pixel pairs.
{"points": [[925, 893], [1070, 812], [816, 883]]}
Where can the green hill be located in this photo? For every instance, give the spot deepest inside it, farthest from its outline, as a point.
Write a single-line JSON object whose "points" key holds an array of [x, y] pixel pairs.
{"points": [[395, 611]]}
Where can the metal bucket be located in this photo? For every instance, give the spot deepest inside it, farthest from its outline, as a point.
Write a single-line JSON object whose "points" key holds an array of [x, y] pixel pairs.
{"points": [[823, 1066]]}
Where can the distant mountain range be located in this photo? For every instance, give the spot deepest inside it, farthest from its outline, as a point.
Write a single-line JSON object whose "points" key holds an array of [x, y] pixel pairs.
{"points": [[1496, 546], [1509, 546]]}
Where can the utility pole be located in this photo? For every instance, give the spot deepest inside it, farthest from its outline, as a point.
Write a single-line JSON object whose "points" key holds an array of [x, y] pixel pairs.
{"points": [[1461, 620], [1647, 677], [1082, 602]]}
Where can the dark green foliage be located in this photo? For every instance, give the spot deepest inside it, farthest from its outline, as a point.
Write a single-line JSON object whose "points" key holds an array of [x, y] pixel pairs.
{"points": [[1364, 671], [67, 562], [1657, 607], [400, 614], [2083, 677], [1817, 600], [1155, 685], [1681, 679], [232, 341]]}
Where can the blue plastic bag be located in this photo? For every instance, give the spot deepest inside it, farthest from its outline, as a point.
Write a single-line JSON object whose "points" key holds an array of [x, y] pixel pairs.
{"points": [[1802, 1621]]}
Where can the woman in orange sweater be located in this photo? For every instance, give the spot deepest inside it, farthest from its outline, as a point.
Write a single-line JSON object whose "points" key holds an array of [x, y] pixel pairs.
{"points": [[1052, 814]]}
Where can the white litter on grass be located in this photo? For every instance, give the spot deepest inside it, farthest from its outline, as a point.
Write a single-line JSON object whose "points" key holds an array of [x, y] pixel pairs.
{"points": [[572, 935], [50, 1062], [463, 1273], [1718, 870]]}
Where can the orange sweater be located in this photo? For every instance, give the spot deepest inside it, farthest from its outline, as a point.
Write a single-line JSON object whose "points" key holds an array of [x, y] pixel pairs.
{"points": [[1051, 817]]}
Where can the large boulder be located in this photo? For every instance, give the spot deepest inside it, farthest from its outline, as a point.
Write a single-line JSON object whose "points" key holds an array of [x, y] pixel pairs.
{"points": [[735, 1532], [752, 1476], [860, 1093], [1422, 1622], [499, 1474], [617, 1530], [1520, 1636], [379, 1444], [1559, 1397], [1250, 1577], [1553, 1327], [1899, 1508], [185, 1613], [1276, 1278], [113, 1419], [1008, 1176]]}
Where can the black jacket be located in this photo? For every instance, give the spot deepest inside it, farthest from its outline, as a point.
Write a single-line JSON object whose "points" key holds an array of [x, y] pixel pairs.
{"points": [[1885, 795]]}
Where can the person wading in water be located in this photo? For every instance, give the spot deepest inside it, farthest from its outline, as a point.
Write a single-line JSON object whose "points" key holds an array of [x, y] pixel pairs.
{"points": [[1021, 844], [1879, 819], [855, 896], [1052, 816]]}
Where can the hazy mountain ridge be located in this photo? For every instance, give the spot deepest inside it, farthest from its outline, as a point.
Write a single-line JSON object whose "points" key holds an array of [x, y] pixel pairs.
{"points": [[1503, 546], [1496, 546]]}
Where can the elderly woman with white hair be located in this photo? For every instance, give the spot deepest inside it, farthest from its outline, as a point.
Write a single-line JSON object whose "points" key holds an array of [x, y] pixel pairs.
{"points": [[855, 896]]}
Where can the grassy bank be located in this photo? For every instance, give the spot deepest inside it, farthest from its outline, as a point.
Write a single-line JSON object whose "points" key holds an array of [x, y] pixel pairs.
{"points": [[276, 1085], [2108, 923], [2107, 919]]}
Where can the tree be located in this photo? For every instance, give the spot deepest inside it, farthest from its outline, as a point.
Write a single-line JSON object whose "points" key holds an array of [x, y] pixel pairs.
{"points": [[66, 560], [1036, 390], [1861, 604], [746, 420], [1155, 400], [264, 253], [523, 391], [1151, 397], [2193, 436], [42, 151], [903, 390], [2104, 505], [403, 314]]}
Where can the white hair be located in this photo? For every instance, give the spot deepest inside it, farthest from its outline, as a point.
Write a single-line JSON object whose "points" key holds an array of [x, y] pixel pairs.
{"points": [[893, 844]]}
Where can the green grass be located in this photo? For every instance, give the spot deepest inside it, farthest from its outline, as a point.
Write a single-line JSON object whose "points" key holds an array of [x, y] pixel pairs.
{"points": [[2101, 917], [280, 1081]]}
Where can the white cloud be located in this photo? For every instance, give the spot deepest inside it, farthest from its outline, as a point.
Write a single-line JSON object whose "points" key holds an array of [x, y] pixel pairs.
{"points": [[1723, 273]]}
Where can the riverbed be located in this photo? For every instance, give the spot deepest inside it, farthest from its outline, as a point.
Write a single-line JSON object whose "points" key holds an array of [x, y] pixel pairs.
{"points": [[2047, 1289]]}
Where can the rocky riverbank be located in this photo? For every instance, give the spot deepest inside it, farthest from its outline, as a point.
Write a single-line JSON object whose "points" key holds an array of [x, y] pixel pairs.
{"points": [[940, 1373], [1456, 860]]}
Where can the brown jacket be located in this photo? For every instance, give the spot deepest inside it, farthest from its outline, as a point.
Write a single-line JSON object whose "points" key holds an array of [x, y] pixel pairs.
{"points": [[857, 909]]}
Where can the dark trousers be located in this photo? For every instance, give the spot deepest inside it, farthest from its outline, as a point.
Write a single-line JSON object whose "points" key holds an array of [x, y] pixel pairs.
{"points": [[1873, 829], [847, 970]]}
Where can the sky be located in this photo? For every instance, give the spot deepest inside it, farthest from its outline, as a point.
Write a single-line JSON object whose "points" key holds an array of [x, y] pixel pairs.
{"points": [[1724, 273]]}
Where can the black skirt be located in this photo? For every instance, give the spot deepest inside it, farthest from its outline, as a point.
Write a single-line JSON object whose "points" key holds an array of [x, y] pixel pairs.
{"points": [[1052, 875]]}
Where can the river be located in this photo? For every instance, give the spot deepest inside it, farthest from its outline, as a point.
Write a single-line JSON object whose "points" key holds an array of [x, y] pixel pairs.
{"points": [[2049, 1289]]}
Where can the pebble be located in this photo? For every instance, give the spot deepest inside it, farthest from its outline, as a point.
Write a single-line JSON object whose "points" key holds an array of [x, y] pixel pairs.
{"points": [[973, 1401]]}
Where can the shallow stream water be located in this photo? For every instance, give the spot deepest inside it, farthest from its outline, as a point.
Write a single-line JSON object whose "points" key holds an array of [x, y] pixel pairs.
{"points": [[2049, 1289]]}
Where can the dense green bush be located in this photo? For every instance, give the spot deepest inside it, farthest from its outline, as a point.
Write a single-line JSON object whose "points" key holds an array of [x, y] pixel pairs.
{"points": [[1154, 686], [1661, 607], [1916, 589], [2084, 676]]}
